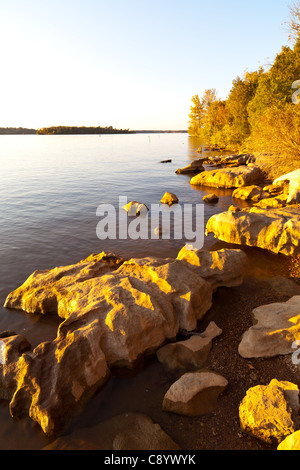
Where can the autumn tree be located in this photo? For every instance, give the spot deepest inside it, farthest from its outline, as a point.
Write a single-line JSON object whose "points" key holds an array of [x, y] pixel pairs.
{"points": [[199, 111], [196, 116]]}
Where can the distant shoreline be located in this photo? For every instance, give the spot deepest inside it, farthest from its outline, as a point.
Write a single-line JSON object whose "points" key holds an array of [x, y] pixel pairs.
{"points": [[64, 130]]}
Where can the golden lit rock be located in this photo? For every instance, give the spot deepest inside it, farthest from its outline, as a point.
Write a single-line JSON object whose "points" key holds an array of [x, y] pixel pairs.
{"points": [[276, 327], [169, 199], [267, 411], [229, 177], [276, 230], [291, 442], [250, 193], [220, 268]]}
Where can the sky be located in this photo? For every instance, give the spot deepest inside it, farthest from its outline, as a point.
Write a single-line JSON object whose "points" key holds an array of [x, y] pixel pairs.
{"points": [[130, 64]]}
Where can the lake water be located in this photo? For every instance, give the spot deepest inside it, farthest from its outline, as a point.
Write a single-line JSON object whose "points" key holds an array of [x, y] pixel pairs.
{"points": [[50, 189]]}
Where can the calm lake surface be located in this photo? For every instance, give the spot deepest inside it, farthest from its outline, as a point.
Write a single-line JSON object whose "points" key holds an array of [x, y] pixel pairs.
{"points": [[51, 188]]}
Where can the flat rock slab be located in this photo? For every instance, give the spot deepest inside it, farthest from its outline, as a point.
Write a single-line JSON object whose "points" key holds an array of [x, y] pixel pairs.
{"points": [[276, 327], [229, 177], [276, 230], [195, 393]]}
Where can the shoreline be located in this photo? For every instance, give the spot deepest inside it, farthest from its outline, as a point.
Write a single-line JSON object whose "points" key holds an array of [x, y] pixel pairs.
{"points": [[205, 432]]}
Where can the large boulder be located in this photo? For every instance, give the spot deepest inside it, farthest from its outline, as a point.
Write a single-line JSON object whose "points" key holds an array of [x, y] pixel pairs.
{"points": [[294, 186], [276, 230], [268, 412], [229, 177], [134, 308], [220, 268], [111, 315], [276, 327], [195, 393]]}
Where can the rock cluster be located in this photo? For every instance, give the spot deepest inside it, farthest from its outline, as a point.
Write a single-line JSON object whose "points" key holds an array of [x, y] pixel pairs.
{"points": [[114, 312]]}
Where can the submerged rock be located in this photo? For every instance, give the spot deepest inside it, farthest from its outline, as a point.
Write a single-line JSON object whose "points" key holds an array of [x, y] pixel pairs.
{"points": [[276, 230], [169, 199], [135, 208], [267, 411], [276, 327], [211, 199], [229, 177], [195, 167], [195, 393]]}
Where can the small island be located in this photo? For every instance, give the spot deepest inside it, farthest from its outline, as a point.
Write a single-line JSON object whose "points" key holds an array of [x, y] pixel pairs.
{"points": [[59, 130]]}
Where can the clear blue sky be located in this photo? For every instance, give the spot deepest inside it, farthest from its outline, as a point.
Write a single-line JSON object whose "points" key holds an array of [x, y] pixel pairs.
{"points": [[127, 63]]}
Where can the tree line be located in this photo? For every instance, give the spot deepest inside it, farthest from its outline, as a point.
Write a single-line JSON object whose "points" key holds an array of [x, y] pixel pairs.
{"points": [[16, 130], [261, 112], [59, 130]]}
